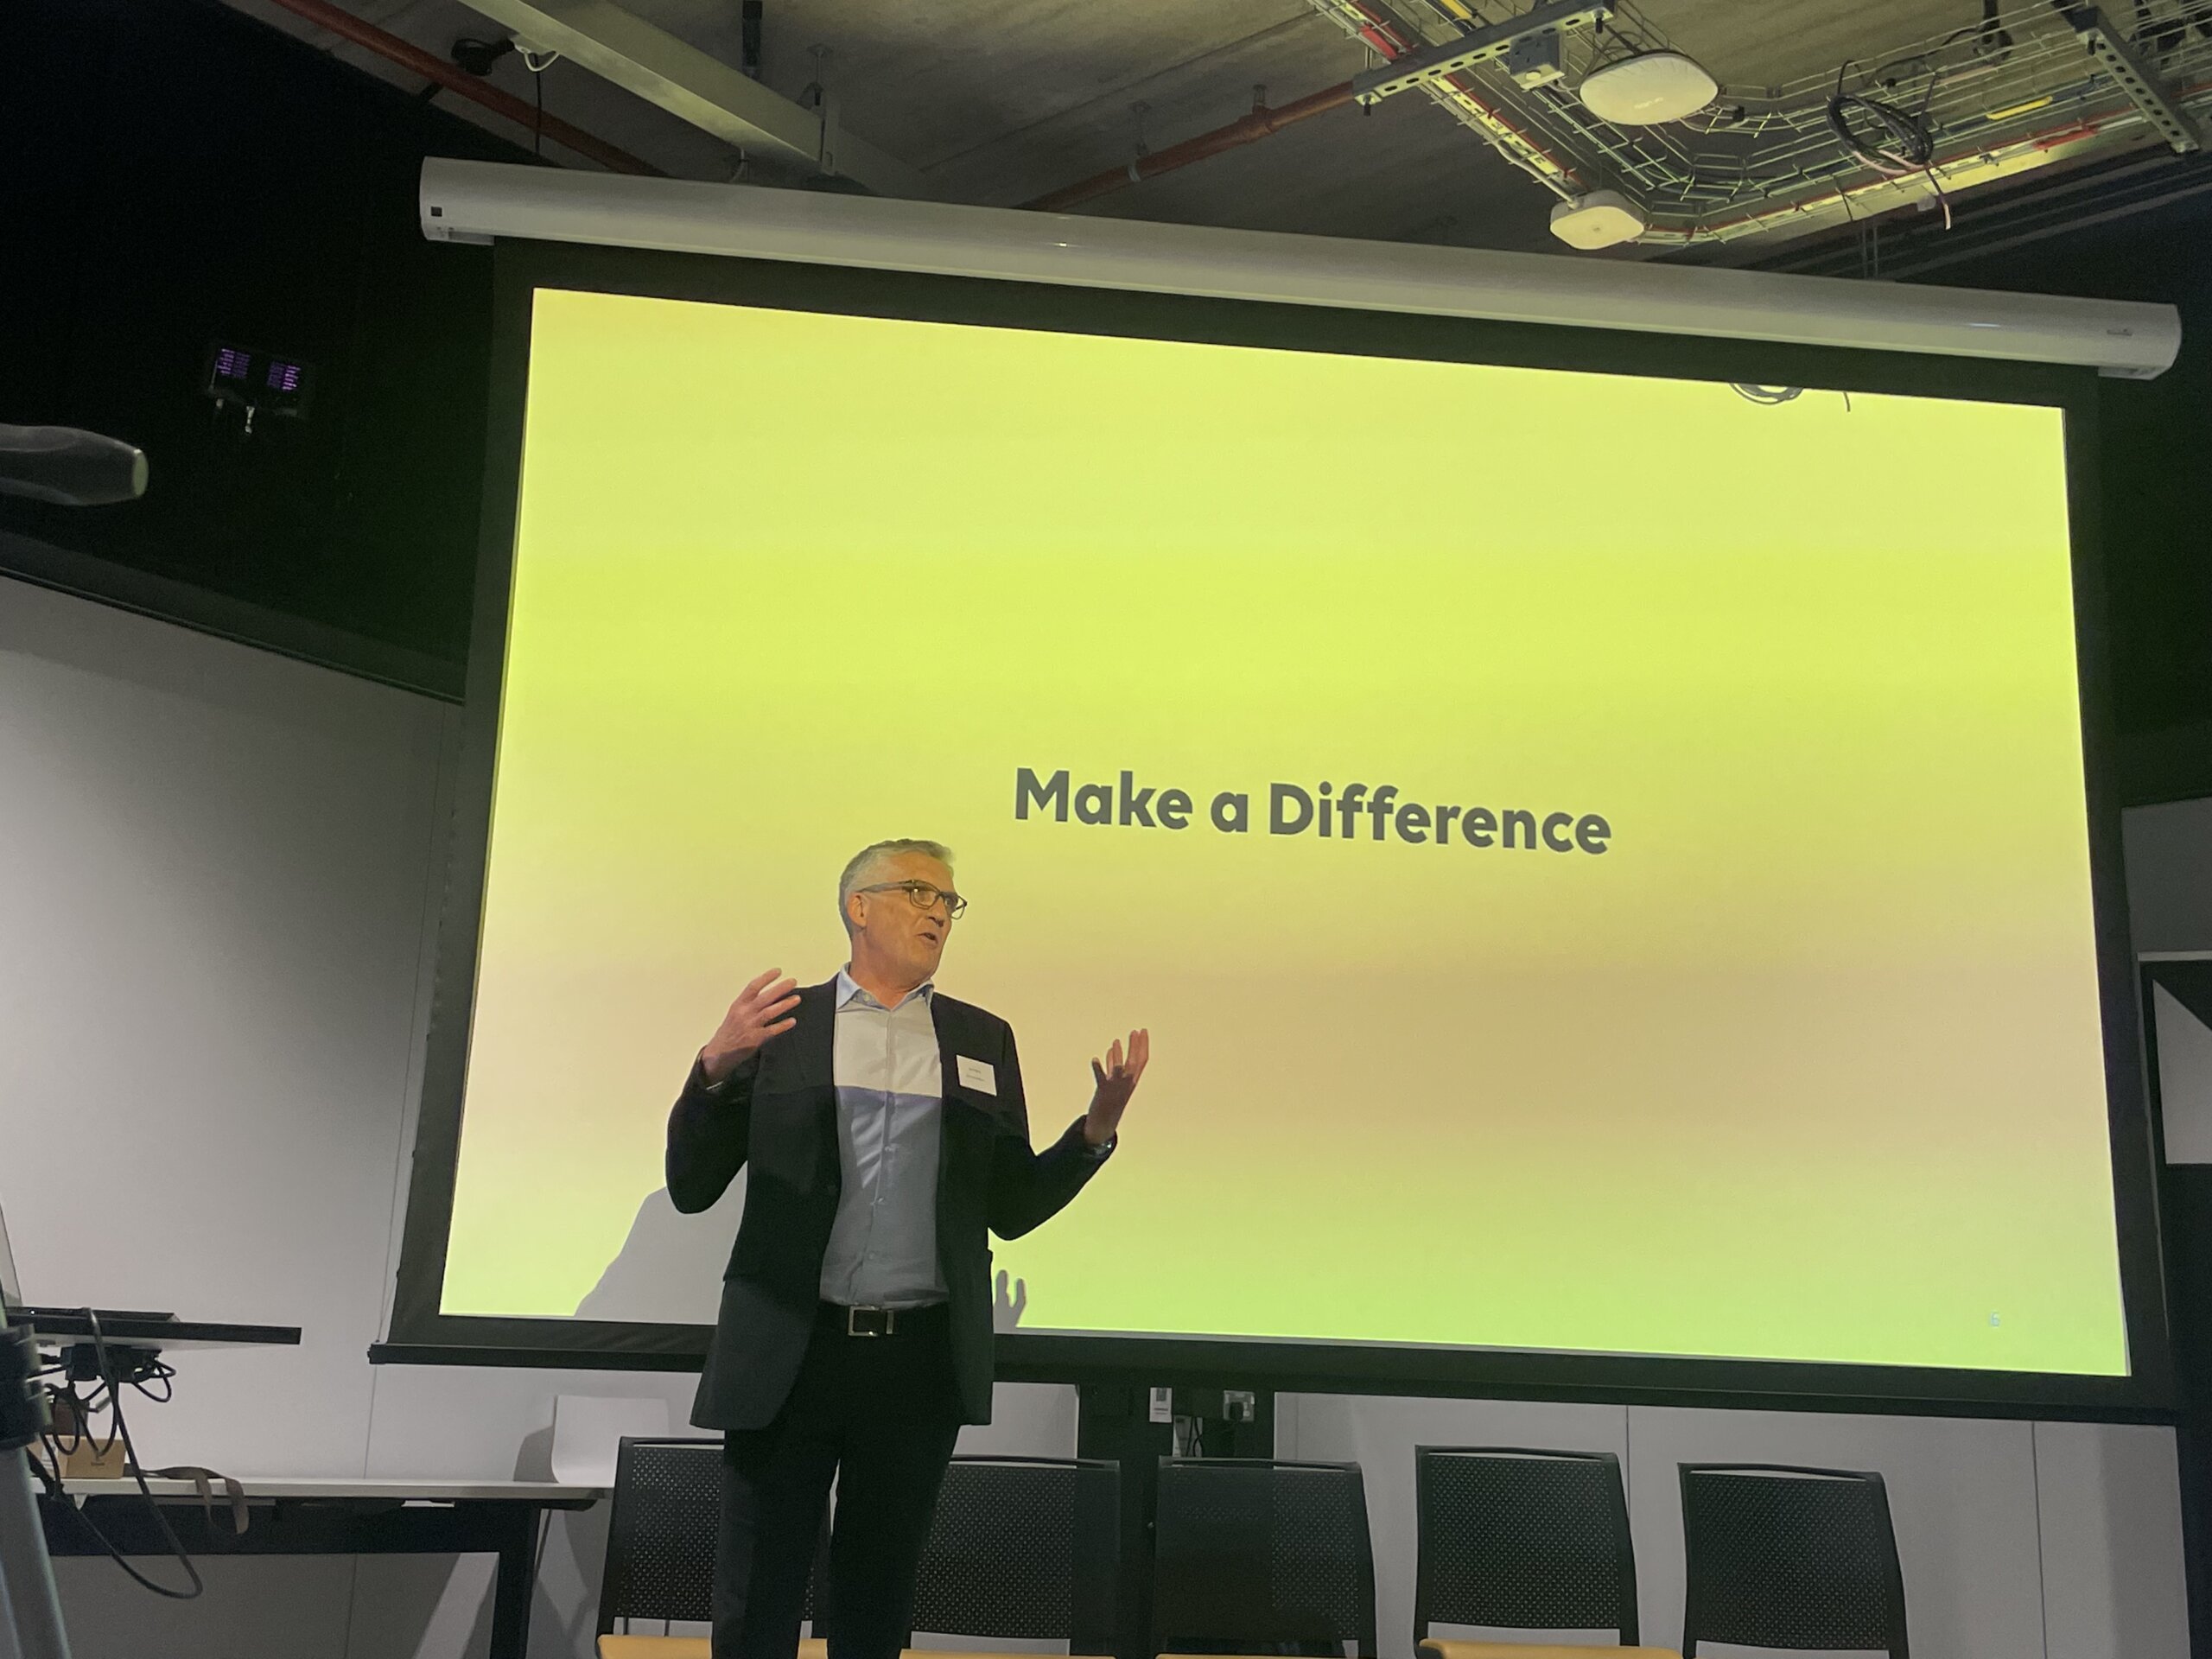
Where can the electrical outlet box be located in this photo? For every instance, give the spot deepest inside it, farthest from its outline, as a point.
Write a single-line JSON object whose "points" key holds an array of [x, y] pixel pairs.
{"points": [[1534, 61]]}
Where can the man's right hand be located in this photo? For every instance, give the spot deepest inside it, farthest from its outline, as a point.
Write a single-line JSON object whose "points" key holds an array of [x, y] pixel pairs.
{"points": [[759, 1013]]}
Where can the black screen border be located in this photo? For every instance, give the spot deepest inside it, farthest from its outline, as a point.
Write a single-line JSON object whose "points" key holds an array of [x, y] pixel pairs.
{"points": [[420, 1333]]}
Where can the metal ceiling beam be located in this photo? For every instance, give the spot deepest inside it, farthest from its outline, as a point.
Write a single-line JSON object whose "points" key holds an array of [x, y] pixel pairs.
{"points": [[2143, 84], [618, 45], [443, 72], [1477, 45]]}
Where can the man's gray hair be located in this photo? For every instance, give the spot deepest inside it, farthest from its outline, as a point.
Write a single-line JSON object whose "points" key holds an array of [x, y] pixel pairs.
{"points": [[866, 862]]}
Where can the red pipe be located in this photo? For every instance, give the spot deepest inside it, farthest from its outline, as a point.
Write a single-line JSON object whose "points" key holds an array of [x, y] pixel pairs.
{"points": [[1261, 122], [454, 78]]}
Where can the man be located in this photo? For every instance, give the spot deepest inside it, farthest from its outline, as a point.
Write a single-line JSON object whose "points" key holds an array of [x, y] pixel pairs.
{"points": [[885, 1128]]}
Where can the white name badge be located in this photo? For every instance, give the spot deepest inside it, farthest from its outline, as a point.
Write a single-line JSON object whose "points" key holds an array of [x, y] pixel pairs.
{"points": [[977, 1075]]}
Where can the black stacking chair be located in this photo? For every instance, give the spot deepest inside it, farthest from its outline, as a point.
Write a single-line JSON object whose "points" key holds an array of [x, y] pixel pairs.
{"points": [[1024, 1549], [1783, 1557], [1252, 1556], [1513, 1538], [666, 1518]]}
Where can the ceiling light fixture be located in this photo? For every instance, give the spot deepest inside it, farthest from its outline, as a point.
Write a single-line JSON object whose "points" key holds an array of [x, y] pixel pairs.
{"points": [[1647, 89]]}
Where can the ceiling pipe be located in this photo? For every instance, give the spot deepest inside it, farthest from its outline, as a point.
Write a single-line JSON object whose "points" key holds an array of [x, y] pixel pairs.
{"points": [[1264, 123], [451, 76], [1261, 122]]}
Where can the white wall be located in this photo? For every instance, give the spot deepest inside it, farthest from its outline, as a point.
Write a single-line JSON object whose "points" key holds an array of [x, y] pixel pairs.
{"points": [[216, 868], [220, 867]]}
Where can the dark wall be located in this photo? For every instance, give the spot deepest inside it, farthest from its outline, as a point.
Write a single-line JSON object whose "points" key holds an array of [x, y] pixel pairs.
{"points": [[185, 173], [2155, 440]]}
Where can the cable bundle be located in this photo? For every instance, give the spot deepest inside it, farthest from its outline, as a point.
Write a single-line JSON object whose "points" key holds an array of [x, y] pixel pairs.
{"points": [[145, 1376], [1898, 145]]}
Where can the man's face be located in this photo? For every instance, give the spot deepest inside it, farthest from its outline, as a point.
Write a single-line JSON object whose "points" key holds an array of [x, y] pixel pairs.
{"points": [[897, 932]]}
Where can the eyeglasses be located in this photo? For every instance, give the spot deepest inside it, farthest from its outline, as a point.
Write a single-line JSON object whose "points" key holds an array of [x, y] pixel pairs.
{"points": [[925, 896]]}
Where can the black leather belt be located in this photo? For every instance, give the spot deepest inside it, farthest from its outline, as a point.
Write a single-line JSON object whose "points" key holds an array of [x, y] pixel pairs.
{"points": [[882, 1321]]}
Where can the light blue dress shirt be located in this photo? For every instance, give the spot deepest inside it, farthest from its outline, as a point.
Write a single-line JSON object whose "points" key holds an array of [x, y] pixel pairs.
{"points": [[890, 1081]]}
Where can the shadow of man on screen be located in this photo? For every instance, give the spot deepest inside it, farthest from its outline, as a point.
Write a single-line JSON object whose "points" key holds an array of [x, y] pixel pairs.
{"points": [[669, 1270]]}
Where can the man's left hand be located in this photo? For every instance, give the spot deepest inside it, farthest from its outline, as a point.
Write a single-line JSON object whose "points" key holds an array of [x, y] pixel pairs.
{"points": [[1117, 1080]]}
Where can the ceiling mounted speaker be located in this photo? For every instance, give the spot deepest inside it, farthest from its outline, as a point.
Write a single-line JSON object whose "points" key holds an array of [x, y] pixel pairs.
{"points": [[1647, 89]]}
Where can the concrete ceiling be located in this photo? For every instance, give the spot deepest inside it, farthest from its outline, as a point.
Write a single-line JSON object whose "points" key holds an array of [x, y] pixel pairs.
{"points": [[998, 103]]}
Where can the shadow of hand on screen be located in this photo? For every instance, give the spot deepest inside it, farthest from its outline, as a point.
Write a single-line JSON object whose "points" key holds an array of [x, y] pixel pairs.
{"points": [[1007, 1310], [669, 1270]]}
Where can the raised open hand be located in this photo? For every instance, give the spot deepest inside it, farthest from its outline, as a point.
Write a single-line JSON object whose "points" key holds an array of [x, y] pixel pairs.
{"points": [[759, 1013], [1116, 1080]]}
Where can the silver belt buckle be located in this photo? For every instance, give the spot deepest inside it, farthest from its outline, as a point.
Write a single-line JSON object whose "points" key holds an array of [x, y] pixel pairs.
{"points": [[852, 1327]]}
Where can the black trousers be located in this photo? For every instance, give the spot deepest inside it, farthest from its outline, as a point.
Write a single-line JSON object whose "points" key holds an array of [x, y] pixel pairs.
{"points": [[879, 1414]]}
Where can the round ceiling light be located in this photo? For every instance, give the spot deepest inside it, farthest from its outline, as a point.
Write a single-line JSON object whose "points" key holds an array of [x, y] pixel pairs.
{"points": [[1648, 88]]}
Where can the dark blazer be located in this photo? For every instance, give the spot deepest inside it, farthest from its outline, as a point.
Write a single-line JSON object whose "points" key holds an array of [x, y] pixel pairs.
{"points": [[778, 1113]]}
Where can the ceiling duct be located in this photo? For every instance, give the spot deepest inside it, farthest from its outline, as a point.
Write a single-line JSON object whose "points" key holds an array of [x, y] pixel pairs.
{"points": [[717, 97]]}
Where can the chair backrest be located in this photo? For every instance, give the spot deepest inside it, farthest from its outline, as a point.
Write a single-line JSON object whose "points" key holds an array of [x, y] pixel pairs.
{"points": [[663, 1527], [1261, 1553], [1516, 1538], [1025, 1547], [1783, 1557]]}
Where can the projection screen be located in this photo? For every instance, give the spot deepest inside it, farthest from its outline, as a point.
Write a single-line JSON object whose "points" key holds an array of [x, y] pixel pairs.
{"points": [[1607, 856]]}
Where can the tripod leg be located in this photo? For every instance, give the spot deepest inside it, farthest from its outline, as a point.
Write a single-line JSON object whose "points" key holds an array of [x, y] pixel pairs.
{"points": [[29, 1605]]}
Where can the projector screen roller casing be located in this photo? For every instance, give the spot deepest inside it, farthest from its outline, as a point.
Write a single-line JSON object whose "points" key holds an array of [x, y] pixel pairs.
{"points": [[424, 1328], [480, 201]]}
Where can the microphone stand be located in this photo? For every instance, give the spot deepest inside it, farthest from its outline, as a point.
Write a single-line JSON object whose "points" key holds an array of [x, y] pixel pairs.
{"points": [[30, 1611]]}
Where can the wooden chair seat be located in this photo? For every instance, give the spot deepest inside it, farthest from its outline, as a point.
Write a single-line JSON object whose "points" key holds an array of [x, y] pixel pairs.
{"points": [[696, 1647]]}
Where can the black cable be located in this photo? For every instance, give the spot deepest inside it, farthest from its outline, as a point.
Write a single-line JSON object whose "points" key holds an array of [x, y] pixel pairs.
{"points": [[101, 1399], [1858, 235], [130, 1462], [1991, 40], [1771, 397], [1900, 145], [537, 127]]}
